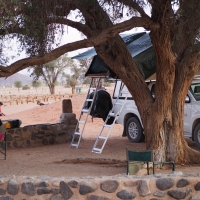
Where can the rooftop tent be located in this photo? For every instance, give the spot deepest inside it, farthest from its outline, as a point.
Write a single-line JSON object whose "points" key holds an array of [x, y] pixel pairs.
{"points": [[141, 49]]}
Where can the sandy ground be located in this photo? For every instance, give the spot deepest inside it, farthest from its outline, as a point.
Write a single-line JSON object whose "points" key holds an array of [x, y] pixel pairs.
{"points": [[62, 160]]}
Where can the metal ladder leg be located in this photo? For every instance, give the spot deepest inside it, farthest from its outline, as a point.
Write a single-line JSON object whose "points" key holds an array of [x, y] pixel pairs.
{"points": [[102, 139], [85, 111]]}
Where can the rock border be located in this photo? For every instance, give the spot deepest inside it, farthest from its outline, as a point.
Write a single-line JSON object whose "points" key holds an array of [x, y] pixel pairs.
{"points": [[153, 187], [42, 134]]}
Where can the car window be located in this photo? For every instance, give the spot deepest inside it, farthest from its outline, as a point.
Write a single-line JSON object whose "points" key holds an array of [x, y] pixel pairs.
{"points": [[120, 86], [195, 90]]}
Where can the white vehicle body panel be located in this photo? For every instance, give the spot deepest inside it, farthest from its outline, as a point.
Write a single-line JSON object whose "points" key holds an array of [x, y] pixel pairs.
{"points": [[129, 106], [191, 109]]}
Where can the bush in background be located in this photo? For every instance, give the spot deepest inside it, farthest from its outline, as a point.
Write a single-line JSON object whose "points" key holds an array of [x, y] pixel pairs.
{"points": [[26, 87]]}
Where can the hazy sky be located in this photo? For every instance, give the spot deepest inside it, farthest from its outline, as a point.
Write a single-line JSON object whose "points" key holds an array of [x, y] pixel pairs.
{"points": [[70, 35]]}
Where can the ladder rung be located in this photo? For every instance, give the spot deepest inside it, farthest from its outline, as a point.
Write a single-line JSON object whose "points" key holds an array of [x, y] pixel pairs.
{"points": [[97, 150], [118, 104], [124, 92], [74, 145], [107, 125], [102, 137], [112, 114], [115, 116], [81, 122], [85, 110], [77, 133]]}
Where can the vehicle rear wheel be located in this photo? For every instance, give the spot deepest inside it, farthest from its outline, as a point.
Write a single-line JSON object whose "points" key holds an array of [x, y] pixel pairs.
{"points": [[197, 135], [134, 130]]}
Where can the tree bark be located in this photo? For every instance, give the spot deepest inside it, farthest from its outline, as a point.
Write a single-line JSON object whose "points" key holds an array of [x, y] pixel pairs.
{"points": [[73, 90], [52, 89], [162, 117], [19, 65]]}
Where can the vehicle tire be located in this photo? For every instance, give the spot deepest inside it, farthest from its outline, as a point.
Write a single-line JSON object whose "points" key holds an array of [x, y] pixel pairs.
{"points": [[197, 135], [134, 130]]}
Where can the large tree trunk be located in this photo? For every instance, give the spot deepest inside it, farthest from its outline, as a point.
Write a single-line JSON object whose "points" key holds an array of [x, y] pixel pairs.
{"points": [[158, 127], [162, 117], [73, 89], [52, 89], [166, 135]]}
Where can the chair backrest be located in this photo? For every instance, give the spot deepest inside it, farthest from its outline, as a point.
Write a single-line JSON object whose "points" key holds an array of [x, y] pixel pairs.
{"points": [[2, 132], [3, 128], [145, 156]]}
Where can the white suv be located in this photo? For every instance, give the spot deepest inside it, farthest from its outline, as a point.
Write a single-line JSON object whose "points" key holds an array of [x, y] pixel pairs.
{"points": [[130, 117]]}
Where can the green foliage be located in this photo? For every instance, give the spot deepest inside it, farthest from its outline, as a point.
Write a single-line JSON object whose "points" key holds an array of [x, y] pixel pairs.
{"points": [[18, 84], [26, 87], [72, 80], [84, 65], [53, 71], [36, 83], [87, 81], [32, 23], [78, 73]]}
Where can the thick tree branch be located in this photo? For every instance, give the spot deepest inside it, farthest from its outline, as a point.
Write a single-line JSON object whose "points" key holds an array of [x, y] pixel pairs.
{"points": [[196, 48], [186, 26], [77, 25], [10, 30], [93, 41], [134, 5]]}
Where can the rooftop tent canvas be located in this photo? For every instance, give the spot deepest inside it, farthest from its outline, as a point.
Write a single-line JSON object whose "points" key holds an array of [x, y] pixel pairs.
{"points": [[141, 49]]}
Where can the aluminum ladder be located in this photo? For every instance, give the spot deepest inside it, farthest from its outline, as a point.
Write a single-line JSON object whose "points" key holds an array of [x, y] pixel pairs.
{"points": [[103, 137], [80, 126]]}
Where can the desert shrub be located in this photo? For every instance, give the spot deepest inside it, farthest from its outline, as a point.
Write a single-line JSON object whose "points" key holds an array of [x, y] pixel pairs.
{"points": [[26, 87]]}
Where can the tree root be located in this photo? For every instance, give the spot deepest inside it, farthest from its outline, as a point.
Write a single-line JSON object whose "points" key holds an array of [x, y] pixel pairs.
{"points": [[192, 156]]}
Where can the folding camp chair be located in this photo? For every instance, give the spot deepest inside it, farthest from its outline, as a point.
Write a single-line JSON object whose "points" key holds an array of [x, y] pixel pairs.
{"points": [[145, 157], [3, 140]]}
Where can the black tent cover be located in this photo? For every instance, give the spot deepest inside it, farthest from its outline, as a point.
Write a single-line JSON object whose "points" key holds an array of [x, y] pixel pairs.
{"points": [[141, 49]]}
